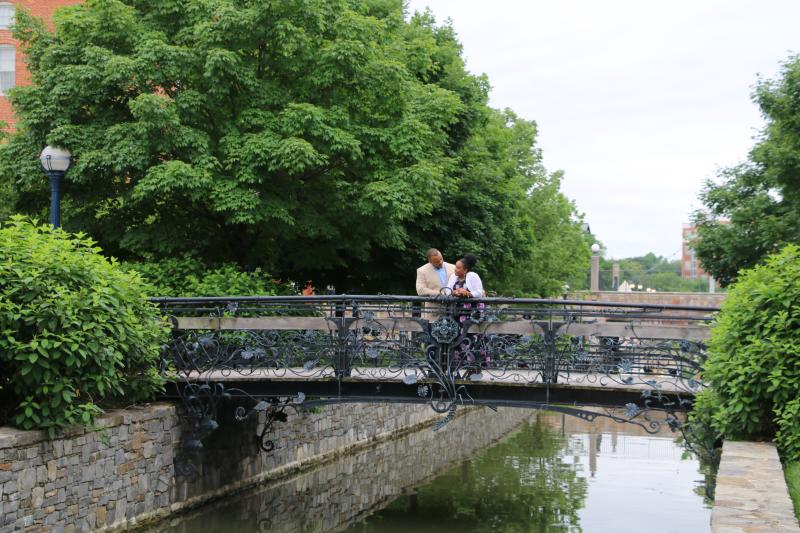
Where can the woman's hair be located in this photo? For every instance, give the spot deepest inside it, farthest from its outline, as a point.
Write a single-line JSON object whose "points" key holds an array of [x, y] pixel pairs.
{"points": [[469, 261]]}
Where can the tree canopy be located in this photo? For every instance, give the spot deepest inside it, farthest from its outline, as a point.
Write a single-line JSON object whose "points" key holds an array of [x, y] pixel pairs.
{"points": [[651, 271], [753, 209], [327, 139]]}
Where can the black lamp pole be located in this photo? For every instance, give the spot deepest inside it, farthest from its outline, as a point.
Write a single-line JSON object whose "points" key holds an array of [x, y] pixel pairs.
{"points": [[56, 177], [55, 162]]}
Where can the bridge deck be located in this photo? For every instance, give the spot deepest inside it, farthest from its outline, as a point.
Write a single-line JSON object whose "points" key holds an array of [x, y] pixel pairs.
{"points": [[635, 383], [522, 388]]}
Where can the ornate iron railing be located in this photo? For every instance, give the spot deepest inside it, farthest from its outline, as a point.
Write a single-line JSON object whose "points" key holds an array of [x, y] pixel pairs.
{"points": [[444, 351]]}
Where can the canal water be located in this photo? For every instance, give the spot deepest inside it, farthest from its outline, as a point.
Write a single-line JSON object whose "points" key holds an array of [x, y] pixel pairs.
{"points": [[510, 470]]}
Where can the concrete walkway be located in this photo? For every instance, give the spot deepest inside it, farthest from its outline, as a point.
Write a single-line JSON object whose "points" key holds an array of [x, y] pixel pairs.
{"points": [[751, 494]]}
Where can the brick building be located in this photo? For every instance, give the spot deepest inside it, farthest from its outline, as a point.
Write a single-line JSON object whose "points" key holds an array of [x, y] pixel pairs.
{"points": [[13, 71], [690, 267]]}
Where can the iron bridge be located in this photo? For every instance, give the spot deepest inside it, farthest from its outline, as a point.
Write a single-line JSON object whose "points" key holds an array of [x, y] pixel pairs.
{"points": [[584, 358]]}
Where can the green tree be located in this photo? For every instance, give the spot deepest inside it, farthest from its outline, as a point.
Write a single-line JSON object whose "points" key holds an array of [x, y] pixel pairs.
{"points": [[560, 253], [325, 139], [650, 271], [754, 208], [242, 130], [656, 272]]}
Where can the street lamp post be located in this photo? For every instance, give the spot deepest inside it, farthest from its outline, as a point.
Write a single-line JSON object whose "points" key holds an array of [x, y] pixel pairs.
{"points": [[594, 279], [55, 162]]}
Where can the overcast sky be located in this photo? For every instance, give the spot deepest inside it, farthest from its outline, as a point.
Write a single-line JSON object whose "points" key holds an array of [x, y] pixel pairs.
{"points": [[637, 101]]}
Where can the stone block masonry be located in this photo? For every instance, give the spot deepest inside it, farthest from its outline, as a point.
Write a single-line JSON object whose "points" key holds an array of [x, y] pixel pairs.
{"points": [[342, 492], [751, 494], [85, 480], [124, 472]]}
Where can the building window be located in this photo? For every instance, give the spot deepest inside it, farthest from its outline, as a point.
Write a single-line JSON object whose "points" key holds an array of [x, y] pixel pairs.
{"points": [[8, 61], [6, 15]]}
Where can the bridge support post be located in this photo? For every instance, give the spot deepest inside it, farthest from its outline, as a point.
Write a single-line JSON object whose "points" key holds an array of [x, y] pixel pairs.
{"points": [[550, 368], [342, 361], [595, 272]]}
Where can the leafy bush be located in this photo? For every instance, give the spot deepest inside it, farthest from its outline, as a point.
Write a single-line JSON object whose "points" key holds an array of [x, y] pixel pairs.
{"points": [[190, 277], [754, 357], [75, 329]]}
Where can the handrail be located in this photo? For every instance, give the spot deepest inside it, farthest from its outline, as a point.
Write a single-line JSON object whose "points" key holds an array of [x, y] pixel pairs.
{"points": [[383, 298]]}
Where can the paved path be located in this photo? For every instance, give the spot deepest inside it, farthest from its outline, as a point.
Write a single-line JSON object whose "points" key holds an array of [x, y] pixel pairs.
{"points": [[751, 494]]}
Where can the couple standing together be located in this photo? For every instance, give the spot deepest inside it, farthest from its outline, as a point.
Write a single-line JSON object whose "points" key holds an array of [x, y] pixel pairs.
{"points": [[435, 275]]}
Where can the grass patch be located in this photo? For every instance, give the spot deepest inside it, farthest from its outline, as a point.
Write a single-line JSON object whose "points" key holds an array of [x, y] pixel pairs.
{"points": [[792, 473]]}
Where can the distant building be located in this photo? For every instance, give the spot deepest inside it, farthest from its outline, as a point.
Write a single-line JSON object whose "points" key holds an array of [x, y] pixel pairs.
{"points": [[13, 71], [690, 267]]}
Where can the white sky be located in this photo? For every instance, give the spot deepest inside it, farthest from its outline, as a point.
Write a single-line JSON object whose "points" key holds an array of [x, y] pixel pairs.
{"points": [[637, 101]]}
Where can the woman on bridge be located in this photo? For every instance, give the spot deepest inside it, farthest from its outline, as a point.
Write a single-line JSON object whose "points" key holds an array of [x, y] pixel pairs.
{"points": [[465, 283]]}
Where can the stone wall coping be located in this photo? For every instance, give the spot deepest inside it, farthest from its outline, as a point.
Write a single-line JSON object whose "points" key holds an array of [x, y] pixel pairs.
{"points": [[666, 293], [11, 437], [751, 494]]}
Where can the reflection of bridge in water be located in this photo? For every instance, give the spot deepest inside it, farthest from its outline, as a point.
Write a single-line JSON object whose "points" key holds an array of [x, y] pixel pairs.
{"points": [[281, 351], [609, 438]]}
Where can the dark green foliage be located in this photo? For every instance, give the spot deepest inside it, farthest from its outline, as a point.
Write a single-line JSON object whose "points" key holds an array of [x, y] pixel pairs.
{"points": [[754, 357], [75, 330], [7, 193], [189, 277], [324, 139], [6, 200], [673, 282], [761, 197]]}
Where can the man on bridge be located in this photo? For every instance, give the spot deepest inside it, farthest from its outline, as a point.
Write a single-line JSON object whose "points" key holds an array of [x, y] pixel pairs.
{"points": [[433, 275]]}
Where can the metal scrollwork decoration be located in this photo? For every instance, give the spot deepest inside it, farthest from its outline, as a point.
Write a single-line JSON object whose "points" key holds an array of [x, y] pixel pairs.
{"points": [[445, 330], [201, 402], [445, 351], [274, 410]]}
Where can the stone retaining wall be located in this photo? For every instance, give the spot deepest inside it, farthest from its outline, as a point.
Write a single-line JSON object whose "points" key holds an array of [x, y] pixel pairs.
{"points": [[124, 472], [336, 495]]}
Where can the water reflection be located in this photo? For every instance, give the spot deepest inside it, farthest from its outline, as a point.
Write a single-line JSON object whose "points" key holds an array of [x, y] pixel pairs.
{"points": [[523, 484], [551, 473]]}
